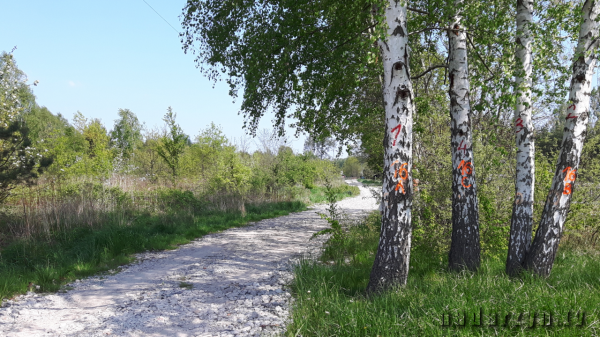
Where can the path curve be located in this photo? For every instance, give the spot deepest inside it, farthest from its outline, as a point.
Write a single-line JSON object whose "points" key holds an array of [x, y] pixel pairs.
{"points": [[233, 286]]}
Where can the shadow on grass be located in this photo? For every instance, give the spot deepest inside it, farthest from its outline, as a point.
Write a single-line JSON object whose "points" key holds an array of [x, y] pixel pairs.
{"points": [[330, 299]]}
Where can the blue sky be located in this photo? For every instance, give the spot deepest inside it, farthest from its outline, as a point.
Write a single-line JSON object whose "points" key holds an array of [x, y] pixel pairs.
{"points": [[99, 56]]}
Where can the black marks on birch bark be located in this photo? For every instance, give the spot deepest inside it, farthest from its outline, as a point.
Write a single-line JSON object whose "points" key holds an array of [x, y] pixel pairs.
{"points": [[387, 47], [398, 31], [402, 93], [580, 78], [396, 67], [406, 62]]}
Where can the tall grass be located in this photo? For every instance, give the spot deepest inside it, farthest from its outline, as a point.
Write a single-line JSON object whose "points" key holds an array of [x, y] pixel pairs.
{"points": [[330, 298], [57, 205], [62, 229], [318, 194], [83, 251]]}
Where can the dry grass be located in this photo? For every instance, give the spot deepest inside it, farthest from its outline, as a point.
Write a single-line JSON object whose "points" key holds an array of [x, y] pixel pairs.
{"points": [[56, 205]]}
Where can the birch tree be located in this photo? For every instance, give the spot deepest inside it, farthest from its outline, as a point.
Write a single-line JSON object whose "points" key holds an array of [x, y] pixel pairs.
{"points": [[393, 253], [540, 259], [465, 246], [522, 215], [308, 60]]}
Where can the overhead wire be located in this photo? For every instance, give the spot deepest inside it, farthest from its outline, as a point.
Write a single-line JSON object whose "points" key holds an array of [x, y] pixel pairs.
{"points": [[157, 13]]}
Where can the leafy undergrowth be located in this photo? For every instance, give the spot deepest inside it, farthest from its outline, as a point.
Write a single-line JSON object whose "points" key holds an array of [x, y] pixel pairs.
{"points": [[318, 194], [82, 252], [330, 298]]}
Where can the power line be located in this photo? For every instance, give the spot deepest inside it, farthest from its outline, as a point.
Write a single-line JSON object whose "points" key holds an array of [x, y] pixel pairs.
{"points": [[161, 16]]}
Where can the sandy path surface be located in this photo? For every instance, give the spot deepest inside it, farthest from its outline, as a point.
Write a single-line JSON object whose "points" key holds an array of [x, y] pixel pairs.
{"points": [[225, 284]]}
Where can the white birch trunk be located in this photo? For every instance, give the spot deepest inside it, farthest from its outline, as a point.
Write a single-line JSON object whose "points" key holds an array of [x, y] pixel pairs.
{"points": [[522, 215], [465, 246], [392, 259], [545, 244]]}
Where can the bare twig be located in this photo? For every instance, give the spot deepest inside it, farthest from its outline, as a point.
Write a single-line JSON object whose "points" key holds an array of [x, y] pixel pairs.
{"points": [[417, 10], [428, 70], [480, 58], [426, 29]]}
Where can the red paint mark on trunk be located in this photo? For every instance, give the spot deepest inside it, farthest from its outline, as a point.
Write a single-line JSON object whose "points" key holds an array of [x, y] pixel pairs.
{"points": [[462, 147], [570, 116], [397, 129], [519, 124]]}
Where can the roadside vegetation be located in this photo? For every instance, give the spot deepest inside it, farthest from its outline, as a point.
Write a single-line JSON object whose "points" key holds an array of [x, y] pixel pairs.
{"points": [[51, 261], [370, 182], [330, 298], [83, 177], [318, 194], [330, 293], [448, 161], [79, 198]]}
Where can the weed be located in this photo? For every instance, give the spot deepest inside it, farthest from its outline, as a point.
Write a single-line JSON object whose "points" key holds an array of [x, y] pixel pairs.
{"points": [[186, 285], [333, 217]]}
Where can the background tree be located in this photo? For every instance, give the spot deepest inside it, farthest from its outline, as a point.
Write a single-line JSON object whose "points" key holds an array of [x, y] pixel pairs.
{"points": [[209, 144], [126, 135], [172, 145], [146, 159], [19, 162], [352, 167], [270, 141], [319, 148], [84, 149]]}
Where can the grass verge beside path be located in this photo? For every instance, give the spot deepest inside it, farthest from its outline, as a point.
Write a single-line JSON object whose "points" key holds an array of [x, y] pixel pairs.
{"points": [[370, 182], [318, 194], [330, 299], [83, 252]]}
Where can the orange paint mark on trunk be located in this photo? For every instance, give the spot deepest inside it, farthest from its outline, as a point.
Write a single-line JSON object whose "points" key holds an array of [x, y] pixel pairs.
{"points": [[466, 169], [570, 176], [400, 173]]}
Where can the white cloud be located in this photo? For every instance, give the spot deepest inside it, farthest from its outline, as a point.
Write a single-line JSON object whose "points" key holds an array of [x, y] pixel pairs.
{"points": [[72, 84]]}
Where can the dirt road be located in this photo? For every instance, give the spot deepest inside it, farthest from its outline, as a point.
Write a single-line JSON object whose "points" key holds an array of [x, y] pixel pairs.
{"points": [[225, 284]]}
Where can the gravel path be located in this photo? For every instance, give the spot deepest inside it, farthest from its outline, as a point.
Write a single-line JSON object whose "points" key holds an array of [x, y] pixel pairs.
{"points": [[225, 284]]}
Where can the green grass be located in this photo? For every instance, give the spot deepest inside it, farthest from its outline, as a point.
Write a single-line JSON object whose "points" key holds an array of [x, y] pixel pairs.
{"points": [[330, 299], [317, 194], [186, 285], [370, 182], [84, 251]]}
